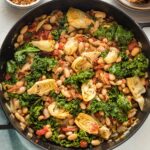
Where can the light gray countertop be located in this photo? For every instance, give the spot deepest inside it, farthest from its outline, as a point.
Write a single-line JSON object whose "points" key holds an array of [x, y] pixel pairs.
{"points": [[10, 140]]}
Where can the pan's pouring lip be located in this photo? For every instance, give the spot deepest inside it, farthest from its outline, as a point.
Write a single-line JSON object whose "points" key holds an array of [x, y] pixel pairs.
{"points": [[51, 145]]}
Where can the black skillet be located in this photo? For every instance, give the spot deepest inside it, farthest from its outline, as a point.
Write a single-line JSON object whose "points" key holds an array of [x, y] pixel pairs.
{"points": [[7, 51]]}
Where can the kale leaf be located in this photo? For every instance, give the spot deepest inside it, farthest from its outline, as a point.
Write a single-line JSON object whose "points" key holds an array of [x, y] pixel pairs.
{"points": [[20, 54], [134, 67], [11, 66], [115, 32], [116, 107], [80, 78], [72, 106]]}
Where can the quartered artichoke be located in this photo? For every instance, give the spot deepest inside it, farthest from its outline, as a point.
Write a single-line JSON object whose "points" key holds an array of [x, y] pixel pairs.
{"points": [[78, 18], [137, 89], [81, 63], [88, 91], [57, 112], [71, 46], [87, 123], [44, 45], [42, 87]]}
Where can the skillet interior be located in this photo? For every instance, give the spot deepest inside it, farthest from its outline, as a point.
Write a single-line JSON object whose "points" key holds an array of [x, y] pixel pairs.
{"points": [[7, 53]]}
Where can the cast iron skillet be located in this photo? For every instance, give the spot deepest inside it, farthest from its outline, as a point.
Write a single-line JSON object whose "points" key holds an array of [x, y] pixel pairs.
{"points": [[7, 51]]}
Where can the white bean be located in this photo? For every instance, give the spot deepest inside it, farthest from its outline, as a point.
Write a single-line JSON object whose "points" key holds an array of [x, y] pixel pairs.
{"points": [[65, 93], [19, 117], [95, 142], [135, 51], [82, 105], [47, 26], [66, 72], [72, 137], [46, 113], [61, 136], [48, 134], [53, 19], [24, 29], [20, 38], [24, 110]]}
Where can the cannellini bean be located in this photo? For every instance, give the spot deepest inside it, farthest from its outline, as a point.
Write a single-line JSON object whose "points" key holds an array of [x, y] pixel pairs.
{"points": [[135, 51], [24, 110], [16, 103], [119, 59], [82, 105], [70, 29], [61, 136], [65, 93], [46, 113], [21, 90], [108, 122], [132, 113], [53, 19], [66, 72], [126, 90], [105, 40], [69, 133], [19, 117], [95, 142], [59, 82], [22, 126], [59, 70], [16, 45], [48, 134], [20, 38], [121, 129], [24, 29], [29, 135], [72, 137], [69, 58], [104, 91], [47, 27], [99, 85], [100, 14], [41, 117], [112, 77], [119, 82]]}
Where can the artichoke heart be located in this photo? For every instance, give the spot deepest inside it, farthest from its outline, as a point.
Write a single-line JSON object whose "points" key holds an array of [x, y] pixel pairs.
{"points": [[88, 91], [71, 46], [57, 112], [42, 87], [44, 45], [78, 18], [111, 56], [87, 123], [137, 89], [104, 132], [81, 63], [91, 56]]}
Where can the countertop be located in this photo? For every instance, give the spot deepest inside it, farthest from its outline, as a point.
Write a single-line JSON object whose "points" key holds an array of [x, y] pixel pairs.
{"points": [[11, 140]]}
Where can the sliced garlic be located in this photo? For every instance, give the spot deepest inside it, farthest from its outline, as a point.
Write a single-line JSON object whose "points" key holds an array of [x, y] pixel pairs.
{"points": [[44, 45], [78, 18], [42, 87], [88, 91]]}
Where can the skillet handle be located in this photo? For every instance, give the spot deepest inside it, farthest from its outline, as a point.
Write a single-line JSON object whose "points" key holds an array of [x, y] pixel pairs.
{"points": [[8, 126], [144, 24]]}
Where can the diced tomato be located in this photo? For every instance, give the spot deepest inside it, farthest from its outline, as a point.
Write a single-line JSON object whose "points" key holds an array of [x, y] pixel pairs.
{"points": [[67, 129], [56, 52], [63, 39], [81, 39], [83, 144], [94, 127], [42, 131], [132, 45], [61, 45], [7, 76]]}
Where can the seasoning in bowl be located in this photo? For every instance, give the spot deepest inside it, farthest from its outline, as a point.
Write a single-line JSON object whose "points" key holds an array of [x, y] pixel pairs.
{"points": [[23, 2]]}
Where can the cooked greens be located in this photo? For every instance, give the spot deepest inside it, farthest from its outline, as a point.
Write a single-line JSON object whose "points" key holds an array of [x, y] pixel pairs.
{"points": [[80, 78], [116, 107], [134, 67]]}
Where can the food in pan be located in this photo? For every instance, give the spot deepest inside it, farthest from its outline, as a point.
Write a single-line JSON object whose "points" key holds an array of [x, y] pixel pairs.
{"points": [[76, 79]]}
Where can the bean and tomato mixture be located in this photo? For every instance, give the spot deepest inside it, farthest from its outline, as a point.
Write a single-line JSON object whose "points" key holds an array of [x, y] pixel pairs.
{"points": [[76, 79]]}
